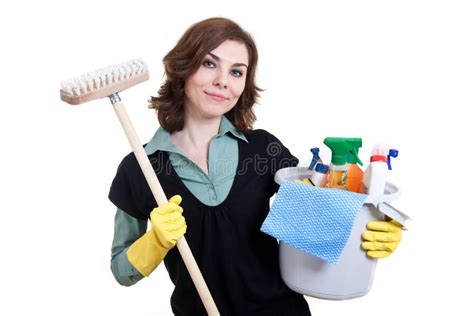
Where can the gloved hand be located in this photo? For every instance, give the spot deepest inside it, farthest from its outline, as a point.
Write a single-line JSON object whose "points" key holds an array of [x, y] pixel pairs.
{"points": [[168, 222], [167, 226], [382, 238]]}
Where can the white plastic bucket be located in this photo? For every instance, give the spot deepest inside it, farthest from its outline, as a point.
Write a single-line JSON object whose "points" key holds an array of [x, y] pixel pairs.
{"points": [[352, 276]]}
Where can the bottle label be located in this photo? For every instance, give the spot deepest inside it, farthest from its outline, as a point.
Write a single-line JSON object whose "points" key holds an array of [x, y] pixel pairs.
{"points": [[378, 158], [337, 179]]}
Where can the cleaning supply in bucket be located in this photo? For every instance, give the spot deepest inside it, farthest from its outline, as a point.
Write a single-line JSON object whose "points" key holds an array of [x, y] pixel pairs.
{"points": [[306, 273], [340, 148], [376, 174], [319, 177], [315, 162], [354, 173], [304, 181], [316, 159], [315, 220]]}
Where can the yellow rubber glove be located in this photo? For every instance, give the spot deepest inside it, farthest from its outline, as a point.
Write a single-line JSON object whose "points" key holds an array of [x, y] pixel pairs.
{"points": [[382, 238], [167, 226]]}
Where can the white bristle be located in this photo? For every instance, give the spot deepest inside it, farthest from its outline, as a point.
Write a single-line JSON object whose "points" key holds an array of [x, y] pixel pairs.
{"points": [[128, 70], [134, 69], [120, 73], [75, 90], [66, 86], [81, 85], [102, 77], [102, 74], [108, 78], [96, 82], [90, 83], [115, 75]]}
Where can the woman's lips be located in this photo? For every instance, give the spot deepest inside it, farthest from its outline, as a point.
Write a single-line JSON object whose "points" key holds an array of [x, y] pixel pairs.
{"points": [[216, 97]]}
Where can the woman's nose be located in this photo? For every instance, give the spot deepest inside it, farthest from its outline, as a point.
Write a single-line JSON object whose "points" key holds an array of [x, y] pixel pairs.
{"points": [[221, 79]]}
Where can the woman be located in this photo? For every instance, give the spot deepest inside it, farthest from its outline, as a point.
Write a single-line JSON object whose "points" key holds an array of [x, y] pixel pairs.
{"points": [[206, 152], [219, 175]]}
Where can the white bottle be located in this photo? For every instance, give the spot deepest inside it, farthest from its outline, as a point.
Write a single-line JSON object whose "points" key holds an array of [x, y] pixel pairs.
{"points": [[376, 174], [319, 177]]}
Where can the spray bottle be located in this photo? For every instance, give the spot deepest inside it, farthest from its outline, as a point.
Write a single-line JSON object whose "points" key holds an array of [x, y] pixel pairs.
{"points": [[376, 174], [340, 148], [315, 161], [355, 173], [319, 177]]}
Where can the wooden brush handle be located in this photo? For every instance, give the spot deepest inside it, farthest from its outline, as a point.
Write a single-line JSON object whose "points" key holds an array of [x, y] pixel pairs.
{"points": [[161, 199]]}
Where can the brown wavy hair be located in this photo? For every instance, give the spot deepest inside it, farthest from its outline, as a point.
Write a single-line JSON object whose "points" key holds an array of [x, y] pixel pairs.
{"points": [[185, 59]]}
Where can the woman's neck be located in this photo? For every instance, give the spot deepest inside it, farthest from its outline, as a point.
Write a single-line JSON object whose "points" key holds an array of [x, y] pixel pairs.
{"points": [[197, 133], [193, 140]]}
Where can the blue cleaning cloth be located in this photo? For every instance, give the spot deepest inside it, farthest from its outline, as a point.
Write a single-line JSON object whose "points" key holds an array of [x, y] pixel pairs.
{"points": [[316, 220]]}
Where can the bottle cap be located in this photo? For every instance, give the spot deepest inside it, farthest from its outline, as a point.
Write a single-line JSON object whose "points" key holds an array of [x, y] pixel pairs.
{"points": [[391, 153], [322, 168]]}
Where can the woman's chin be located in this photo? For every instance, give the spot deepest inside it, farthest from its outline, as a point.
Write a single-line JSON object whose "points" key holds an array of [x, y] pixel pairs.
{"points": [[217, 113]]}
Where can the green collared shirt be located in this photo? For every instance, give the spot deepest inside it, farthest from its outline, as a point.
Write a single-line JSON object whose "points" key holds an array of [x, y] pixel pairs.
{"points": [[210, 189]]}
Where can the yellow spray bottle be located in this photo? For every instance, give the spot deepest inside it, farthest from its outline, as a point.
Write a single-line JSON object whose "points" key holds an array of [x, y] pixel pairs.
{"points": [[341, 148]]}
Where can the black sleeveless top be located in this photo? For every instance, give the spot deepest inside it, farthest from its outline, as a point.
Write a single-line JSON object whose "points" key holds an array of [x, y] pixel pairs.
{"points": [[239, 262]]}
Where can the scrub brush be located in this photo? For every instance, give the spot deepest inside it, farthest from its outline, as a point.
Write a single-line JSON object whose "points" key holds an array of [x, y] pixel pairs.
{"points": [[107, 82]]}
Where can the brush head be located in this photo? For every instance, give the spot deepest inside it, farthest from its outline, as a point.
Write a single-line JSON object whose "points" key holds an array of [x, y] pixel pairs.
{"points": [[103, 82]]}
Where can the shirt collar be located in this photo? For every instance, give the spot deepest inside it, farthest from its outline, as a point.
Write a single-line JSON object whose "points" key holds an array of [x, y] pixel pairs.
{"points": [[227, 126], [162, 138]]}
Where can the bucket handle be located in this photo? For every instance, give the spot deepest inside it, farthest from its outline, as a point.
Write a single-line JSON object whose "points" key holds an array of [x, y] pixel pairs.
{"points": [[381, 202]]}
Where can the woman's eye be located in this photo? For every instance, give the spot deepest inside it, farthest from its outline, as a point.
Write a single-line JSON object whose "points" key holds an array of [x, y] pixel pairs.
{"points": [[209, 64], [236, 73]]}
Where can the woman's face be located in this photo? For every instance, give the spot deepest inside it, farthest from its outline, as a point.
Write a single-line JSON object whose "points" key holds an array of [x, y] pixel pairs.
{"points": [[216, 86]]}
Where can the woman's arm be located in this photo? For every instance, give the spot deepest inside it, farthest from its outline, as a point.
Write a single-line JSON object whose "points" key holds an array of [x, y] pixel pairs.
{"points": [[127, 229]]}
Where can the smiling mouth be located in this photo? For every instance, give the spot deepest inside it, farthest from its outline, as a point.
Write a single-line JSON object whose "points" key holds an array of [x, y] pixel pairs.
{"points": [[215, 97]]}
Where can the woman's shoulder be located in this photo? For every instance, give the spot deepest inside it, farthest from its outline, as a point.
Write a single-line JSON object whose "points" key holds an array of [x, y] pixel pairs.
{"points": [[258, 133], [129, 164], [262, 135], [130, 158]]}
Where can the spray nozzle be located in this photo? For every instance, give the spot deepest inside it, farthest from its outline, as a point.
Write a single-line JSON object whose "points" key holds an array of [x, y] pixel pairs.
{"points": [[344, 150], [353, 156], [315, 159], [391, 153]]}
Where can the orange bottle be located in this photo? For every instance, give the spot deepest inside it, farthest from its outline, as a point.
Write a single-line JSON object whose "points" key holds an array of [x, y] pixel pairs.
{"points": [[354, 178], [354, 173]]}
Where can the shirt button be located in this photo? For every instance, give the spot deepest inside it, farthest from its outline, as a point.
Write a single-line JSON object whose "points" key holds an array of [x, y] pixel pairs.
{"points": [[214, 197]]}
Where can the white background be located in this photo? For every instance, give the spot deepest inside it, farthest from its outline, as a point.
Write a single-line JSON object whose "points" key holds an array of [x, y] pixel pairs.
{"points": [[397, 71]]}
